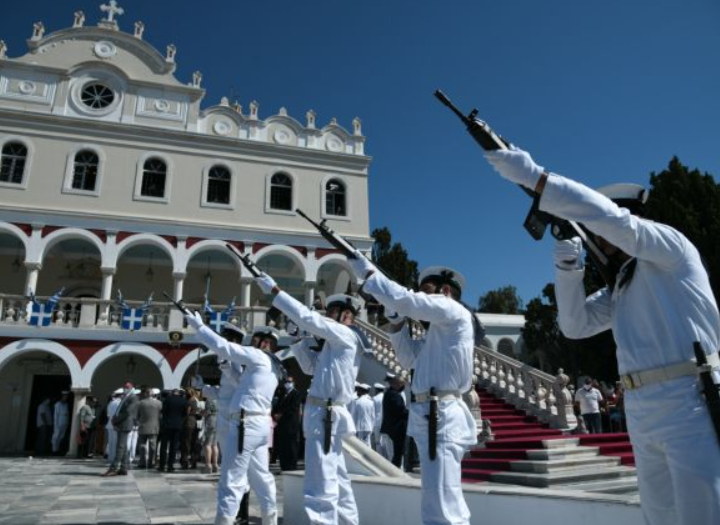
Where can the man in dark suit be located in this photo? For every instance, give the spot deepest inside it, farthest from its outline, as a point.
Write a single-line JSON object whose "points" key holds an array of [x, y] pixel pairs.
{"points": [[287, 415], [149, 410], [395, 416], [174, 410], [123, 422]]}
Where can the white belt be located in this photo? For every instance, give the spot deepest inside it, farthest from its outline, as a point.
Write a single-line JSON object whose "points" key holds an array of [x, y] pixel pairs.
{"points": [[236, 416], [666, 373], [441, 395], [320, 402]]}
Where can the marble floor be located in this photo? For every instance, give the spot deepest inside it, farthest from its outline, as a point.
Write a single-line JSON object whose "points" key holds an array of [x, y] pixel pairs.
{"points": [[71, 491]]}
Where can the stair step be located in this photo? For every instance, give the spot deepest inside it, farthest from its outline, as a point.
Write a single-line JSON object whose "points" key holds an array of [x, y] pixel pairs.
{"points": [[627, 485], [516, 426], [530, 432], [533, 479], [557, 465], [557, 453], [476, 475], [536, 443], [499, 453], [596, 439]]}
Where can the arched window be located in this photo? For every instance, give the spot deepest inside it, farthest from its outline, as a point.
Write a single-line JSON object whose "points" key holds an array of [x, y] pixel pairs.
{"points": [[85, 171], [218, 185], [335, 198], [14, 157], [281, 192], [153, 181]]}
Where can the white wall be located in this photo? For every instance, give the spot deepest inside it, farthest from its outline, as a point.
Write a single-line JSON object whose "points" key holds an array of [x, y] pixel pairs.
{"points": [[381, 501]]}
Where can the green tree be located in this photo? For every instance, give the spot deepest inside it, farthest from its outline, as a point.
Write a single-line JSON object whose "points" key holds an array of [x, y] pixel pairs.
{"points": [[690, 202], [393, 258], [503, 300]]}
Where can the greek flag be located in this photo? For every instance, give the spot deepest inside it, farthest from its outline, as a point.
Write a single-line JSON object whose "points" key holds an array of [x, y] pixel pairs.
{"points": [[42, 313], [132, 318], [216, 320]]}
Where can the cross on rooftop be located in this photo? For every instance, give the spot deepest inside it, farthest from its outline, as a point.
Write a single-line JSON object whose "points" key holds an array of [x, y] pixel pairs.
{"points": [[112, 10]]}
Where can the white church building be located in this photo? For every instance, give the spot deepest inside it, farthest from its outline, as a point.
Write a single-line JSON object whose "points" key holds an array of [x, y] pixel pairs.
{"points": [[116, 176]]}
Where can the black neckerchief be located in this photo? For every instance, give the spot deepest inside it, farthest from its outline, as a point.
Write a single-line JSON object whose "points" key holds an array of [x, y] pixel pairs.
{"points": [[627, 275]]}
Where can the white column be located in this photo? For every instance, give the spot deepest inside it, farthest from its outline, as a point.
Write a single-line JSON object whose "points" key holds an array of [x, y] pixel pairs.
{"points": [[79, 396], [175, 317], [309, 293], [108, 276], [31, 278], [245, 284]]}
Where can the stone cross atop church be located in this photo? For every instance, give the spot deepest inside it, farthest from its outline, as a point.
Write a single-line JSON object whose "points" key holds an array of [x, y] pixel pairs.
{"points": [[112, 10]]}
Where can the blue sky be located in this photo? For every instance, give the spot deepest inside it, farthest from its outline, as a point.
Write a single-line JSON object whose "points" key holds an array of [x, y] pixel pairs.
{"points": [[599, 91]]}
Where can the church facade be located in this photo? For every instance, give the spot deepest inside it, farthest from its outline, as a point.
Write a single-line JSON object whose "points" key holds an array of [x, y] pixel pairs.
{"points": [[117, 183]]}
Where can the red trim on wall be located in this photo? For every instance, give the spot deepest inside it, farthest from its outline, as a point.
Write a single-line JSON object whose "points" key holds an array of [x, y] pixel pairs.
{"points": [[171, 239], [26, 228], [300, 249], [238, 244], [47, 230], [192, 240], [123, 235], [101, 234], [258, 246], [322, 252]]}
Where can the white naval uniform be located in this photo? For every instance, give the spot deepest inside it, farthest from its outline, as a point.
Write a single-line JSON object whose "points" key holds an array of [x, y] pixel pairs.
{"points": [[377, 401], [329, 499], [222, 395], [443, 360], [363, 414], [254, 394], [61, 418], [655, 319]]}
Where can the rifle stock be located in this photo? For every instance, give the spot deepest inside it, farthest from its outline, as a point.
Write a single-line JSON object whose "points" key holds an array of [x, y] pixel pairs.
{"points": [[345, 247], [178, 304]]}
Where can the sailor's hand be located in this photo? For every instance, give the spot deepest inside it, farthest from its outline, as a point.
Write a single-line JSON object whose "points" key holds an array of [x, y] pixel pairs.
{"points": [[266, 283], [568, 254], [361, 265], [195, 320], [516, 166]]}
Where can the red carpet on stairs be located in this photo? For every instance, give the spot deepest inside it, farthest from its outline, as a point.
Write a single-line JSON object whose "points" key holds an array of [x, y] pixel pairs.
{"points": [[515, 433]]}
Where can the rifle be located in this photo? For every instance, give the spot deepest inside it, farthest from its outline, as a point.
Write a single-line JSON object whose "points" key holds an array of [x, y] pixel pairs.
{"points": [[345, 247], [711, 391], [178, 304], [433, 418], [327, 424], [245, 260], [536, 221]]}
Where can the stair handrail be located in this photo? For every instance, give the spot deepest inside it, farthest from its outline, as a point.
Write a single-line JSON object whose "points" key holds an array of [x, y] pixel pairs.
{"points": [[527, 388]]}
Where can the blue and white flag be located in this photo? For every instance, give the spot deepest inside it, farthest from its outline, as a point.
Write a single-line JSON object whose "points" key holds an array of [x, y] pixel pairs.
{"points": [[132, 318], [216, 320], [42, 313]]}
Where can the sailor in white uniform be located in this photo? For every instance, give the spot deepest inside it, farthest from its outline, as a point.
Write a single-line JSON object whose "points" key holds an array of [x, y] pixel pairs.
{"points": [[377, 401], [250, 425], [443, 361], [329, 499], [660, 304], [363, 413]]}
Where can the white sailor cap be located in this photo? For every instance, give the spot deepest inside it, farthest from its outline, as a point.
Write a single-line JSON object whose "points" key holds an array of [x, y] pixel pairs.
{"points": [[626, 195], [136, 391], [379, 386], [154, 391], [119, 392], [364, 386], [389, 376], [443, 274], [266, 331], [232, 329], [343, 300]]}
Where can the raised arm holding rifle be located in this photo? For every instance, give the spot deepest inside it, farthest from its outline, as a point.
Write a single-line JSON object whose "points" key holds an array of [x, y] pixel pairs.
{"points": [[659, 303]]}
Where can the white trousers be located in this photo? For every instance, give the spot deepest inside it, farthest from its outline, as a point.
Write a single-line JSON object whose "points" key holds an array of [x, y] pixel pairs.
{"points": [[443, 502], [132, 440], [247, 469], [677, 453], [57, 435], [111, 445], [329, 499], [385, 447]]}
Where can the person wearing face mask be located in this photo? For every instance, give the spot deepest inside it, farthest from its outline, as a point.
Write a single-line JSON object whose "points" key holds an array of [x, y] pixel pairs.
{"points": [[589, 399], [287, 416], [123, 421], [327, 490], [659, 307], [246, 457]]}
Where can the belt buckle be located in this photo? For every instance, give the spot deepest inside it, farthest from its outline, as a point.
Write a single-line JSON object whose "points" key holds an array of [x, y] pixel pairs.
{"points": [[628, 382]]}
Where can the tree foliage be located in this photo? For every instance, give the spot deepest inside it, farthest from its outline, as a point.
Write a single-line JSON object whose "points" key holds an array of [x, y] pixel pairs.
{"points": [[393, 259], [504, 300], [690, 202]]}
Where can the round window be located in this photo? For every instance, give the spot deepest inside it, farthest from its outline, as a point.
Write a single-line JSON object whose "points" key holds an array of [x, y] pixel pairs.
{"points": [[97, 96]]}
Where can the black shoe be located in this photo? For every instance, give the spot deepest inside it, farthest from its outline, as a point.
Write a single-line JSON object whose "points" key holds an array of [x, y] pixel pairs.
{"points": [[122, 472], [170, 469]]}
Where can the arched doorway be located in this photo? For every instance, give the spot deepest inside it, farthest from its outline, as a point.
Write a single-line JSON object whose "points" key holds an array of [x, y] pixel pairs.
{"points": [[29, 378]]}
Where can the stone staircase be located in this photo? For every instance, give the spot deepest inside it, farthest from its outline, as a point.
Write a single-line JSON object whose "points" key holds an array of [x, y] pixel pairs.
{"points": [[526, 452]]}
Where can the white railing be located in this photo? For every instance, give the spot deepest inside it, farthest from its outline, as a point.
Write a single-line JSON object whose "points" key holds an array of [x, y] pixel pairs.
{"points": [[527, 388], [88, 313]]}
